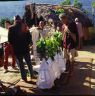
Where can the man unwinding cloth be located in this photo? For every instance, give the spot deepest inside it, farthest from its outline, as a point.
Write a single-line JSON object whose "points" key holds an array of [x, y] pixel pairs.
{"points": [[20, 38]]}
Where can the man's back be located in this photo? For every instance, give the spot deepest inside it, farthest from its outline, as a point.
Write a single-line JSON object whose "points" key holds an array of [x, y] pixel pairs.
{"points": [[13, 35], [18, 39]]}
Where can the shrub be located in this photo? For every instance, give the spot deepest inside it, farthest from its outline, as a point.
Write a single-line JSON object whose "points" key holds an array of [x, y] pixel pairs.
{"points": [[93, 4], [2, 21], [77, 4], [65, 2]]}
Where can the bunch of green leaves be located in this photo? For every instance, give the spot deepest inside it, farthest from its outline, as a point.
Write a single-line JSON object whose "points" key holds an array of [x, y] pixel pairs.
{"points": [[41, 49], [45, 48], [53, 43], [58, 36], [49, 46], [59, 11]]}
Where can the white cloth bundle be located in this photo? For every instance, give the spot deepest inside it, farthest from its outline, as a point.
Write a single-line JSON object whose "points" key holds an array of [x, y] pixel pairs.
{"points": [[45, 78], [36, 68], [50, 63], [55, 67], [62, 62], [50, 70]]}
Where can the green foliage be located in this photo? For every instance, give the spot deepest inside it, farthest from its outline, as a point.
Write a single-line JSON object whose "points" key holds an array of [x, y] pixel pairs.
{"points": [[85, 11], [59, 11], [80, 5], [53, 44], [93, 4], [58, 36], [2, 21], [66, 2], [77, 4], [49, 46], [41, 44]]}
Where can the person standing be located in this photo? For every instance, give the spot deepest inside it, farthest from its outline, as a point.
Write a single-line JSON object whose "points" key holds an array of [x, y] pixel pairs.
{"points": [[80, 32], [20, 39], [70, 40], [38, 32], [43, 30], [51, 27], [8, 50], [27, 16]]}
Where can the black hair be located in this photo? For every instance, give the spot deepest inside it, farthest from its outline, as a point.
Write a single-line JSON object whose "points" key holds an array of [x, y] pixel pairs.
{"points": [[7, 21], [17, 17]]}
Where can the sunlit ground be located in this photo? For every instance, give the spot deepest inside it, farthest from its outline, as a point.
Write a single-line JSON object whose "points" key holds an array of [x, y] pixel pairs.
{"points": [[88, 52]]}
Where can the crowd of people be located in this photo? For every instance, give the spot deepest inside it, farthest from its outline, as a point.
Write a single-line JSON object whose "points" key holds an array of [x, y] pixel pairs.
{"points": [[26, 31]]}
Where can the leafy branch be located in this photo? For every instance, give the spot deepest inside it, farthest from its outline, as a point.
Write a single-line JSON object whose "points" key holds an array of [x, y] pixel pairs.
{"points": [[49, 46]]}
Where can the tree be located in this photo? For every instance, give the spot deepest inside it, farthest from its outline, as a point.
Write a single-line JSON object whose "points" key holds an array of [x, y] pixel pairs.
{"points": [[2, 21], [93, 4], [65, 2], [85, 11], [77, 4]]}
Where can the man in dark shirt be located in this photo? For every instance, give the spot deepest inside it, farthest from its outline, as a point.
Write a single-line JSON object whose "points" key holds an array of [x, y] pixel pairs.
{"points": [[20, 41]]}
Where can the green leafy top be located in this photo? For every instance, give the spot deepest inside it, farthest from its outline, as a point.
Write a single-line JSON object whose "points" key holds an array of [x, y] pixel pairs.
{"points": [[41, 47], [49, 46]]}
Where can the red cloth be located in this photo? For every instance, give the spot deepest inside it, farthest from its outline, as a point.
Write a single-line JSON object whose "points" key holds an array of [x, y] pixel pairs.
{"points": [[8, 50], [68, 41]]}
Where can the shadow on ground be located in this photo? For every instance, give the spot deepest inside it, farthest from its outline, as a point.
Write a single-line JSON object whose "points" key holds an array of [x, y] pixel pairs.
{"points": [[77, 84]]}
